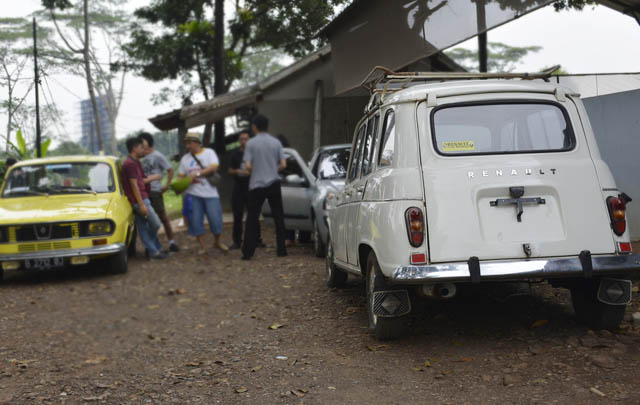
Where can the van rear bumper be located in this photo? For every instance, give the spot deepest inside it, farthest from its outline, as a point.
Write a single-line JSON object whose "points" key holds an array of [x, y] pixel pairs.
{"points": [[558, 267]]}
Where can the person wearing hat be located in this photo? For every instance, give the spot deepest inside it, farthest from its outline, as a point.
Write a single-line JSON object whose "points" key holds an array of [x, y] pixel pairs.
{"points": [[198, 163]]}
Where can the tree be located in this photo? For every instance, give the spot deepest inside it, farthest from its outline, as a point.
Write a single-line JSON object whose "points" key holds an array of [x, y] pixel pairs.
{"points": [[572, 4], [103, 18], [68, 148], [16, 73], [501, 57], [182, 38], [259, 65]]}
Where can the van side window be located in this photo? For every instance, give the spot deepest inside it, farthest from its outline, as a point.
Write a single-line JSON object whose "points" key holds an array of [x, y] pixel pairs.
{"points": [[387, 140], [355, 156], [367, 155]]}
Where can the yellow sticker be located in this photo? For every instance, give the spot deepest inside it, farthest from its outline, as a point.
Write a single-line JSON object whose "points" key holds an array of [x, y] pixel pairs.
{"points": [[458, 146]]}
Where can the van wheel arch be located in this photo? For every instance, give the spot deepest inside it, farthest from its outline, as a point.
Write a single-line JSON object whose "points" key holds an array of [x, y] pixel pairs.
{"points": [[363, 256]]}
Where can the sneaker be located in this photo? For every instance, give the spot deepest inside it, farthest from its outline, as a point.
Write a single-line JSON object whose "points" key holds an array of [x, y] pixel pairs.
{"points": [[202, 252], [159, 256], [174, 248], [222, 247], [234, 246]]}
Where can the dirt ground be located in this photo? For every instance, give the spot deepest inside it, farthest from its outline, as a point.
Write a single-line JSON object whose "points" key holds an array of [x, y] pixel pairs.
{"points": [[221, 330]]}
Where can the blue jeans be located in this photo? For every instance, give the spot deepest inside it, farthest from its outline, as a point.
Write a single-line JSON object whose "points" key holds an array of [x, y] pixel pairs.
{"points": [[212, 209], [148, 228]]}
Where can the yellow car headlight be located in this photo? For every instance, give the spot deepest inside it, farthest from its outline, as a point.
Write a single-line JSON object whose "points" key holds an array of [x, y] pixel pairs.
{"points": [[99, 228]]}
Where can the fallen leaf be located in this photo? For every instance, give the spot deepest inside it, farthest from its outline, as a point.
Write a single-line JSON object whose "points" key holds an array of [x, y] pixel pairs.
{"points": [[96, 360], [447, 372], [241, 390], [193, 364], [464, 360], [298, 394], [276, 326], [456, 343], [331, 388], [286, 286], [597, 392], [427, 363], [200, 326], [184, 300], [539, 323], [304, 390], [153, 306], [352, 310], [256, 368]]}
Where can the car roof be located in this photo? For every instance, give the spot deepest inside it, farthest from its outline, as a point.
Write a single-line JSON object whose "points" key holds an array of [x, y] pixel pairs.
{"points": [[67, 159], [465, 87]]}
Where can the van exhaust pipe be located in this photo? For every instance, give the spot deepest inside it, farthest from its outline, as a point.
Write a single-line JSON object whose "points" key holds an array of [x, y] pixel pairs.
{"points": [[441, 291]]}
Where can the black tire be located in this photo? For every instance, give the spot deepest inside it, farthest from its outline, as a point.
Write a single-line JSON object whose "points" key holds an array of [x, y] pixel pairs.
{"points": [[382, 328], [318, 243], [304, 236], [590, 311], [131, 248], [335, 277], [118, 263]]}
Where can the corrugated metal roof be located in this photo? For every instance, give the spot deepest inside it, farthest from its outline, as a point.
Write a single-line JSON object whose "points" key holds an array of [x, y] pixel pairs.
{"points": [[630, 7]]}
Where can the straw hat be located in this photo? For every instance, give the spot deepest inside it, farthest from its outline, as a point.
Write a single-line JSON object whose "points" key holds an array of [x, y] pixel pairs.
{"points": [[192, 136]]}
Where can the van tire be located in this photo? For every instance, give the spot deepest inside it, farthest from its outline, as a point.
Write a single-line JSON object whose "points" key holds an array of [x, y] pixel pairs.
{"points": [[381, 328], [131, 247], [118, 263], [318, 245], [335, 278], [589, 310]]}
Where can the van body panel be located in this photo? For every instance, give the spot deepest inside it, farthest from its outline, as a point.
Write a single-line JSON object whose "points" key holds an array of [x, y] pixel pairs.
{"points": [[460, 193]]}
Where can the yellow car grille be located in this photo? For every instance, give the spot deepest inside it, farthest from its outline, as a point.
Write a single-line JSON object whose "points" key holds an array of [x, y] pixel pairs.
{"points": [[36, 247]]}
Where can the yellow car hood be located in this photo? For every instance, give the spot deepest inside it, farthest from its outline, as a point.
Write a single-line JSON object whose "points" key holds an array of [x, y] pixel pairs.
{"points": [[53, 208]]}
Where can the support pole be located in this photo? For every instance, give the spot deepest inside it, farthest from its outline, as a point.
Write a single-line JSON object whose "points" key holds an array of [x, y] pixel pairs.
{"points": [[317, 115], [481, 16], [37, 82]]}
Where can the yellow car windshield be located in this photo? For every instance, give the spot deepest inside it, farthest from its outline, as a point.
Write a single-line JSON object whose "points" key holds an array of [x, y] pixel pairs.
{"points": [[59, 178]]}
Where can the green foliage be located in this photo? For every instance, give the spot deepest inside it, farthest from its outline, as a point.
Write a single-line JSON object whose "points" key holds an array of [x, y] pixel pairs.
{"points": [[178, 36], [22, 152], [573, 4], [500, 57], [68, 148]]}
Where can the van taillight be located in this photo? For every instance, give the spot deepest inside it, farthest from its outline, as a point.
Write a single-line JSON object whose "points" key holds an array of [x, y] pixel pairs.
{"points": [[617, 213], [415, 226]]}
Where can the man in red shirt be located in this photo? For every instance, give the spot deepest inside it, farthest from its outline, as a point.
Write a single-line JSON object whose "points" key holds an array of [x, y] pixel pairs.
{"points": [[147, 221]]}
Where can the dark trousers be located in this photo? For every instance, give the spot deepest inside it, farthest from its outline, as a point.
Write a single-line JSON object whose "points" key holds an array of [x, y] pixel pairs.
{"points": [[257, 196], [240, 201]]}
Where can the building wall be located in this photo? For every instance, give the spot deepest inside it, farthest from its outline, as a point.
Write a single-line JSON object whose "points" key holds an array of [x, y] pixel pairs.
{"points": [[616, 125], [89, 137]]}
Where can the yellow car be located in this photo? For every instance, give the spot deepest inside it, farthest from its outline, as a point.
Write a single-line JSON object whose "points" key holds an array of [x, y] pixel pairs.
{"points": [[64, 211]]}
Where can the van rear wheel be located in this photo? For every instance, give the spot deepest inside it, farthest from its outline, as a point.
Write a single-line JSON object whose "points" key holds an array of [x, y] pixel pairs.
{"points": [[383, 328], [589, 310]]}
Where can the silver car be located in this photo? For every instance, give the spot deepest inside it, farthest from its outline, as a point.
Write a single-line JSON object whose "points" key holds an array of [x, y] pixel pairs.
{"points": [[305, 189]]}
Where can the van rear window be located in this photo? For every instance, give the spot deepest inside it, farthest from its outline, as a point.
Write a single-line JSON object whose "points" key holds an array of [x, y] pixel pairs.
{"points": [[467, 129]]}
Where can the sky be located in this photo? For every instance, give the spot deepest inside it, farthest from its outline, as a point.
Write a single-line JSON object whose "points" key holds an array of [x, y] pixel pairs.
{"points": [[596, 40]]}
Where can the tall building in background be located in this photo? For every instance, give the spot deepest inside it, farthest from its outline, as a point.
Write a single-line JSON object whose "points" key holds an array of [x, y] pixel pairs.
{"points": [[89, 138]]}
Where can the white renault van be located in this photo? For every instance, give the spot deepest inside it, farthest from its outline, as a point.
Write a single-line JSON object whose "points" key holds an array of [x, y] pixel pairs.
{"points": [[473, 181]]}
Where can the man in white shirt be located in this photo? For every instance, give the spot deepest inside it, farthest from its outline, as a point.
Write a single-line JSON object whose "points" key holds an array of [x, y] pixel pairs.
{"points": [[199, 163]]}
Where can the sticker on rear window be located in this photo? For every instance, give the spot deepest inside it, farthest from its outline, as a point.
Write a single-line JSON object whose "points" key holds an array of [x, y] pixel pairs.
{"points": [[458, 146]]}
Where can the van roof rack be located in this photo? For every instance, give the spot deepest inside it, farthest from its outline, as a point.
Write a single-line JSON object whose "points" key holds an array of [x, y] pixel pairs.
{"points": [[383, 80]]}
